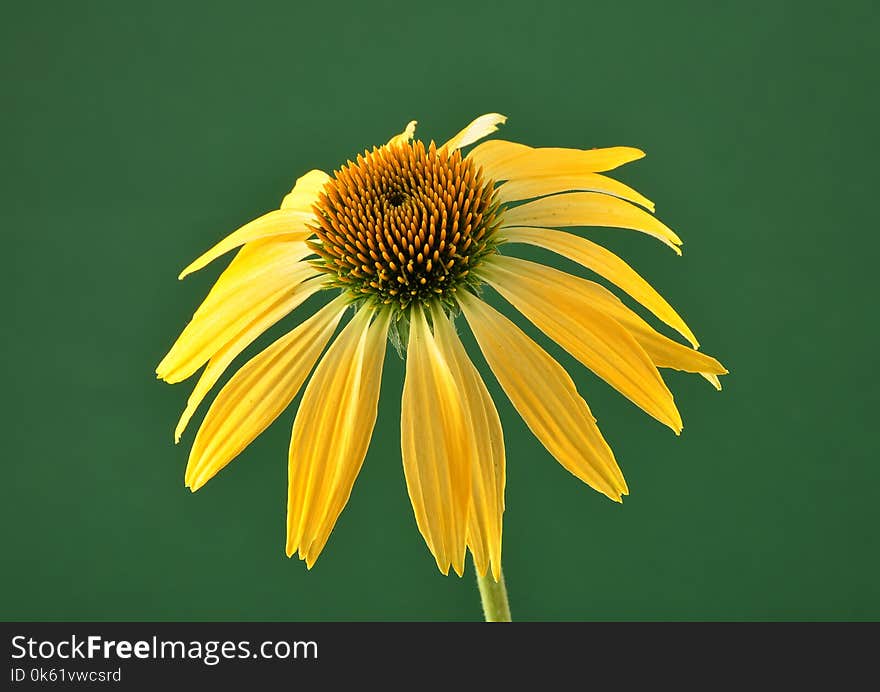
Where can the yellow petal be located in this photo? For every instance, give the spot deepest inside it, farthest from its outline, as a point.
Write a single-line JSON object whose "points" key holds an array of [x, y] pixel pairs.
{"points": [[713, 380], [479, 128], [607, 265], [589, 209], [663, 351], [258, 393], [332, 432], [404, 136], [261, 274], [305, 192], [503, 160], [538, 186], [488, 466], [545, 397], [221, 360], [281, 222], [435, 447], [588, 334]]}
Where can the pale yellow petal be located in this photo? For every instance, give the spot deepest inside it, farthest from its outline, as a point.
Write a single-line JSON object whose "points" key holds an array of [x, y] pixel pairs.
{"points": [[607, 265], [538, 186], [499, 158], [221, 360], [290, 223], [588, 334], [258, 393], [404, 136], [261, 274], [503, 160], [332, 432], [663, 351], [435, 447], [589, 209], [713, 380], [305, 192], [545, 397], [488, 466], [481, 127]]}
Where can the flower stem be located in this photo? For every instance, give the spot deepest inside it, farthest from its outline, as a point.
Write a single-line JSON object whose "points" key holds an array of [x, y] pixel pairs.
{"points": [[494, 596]]}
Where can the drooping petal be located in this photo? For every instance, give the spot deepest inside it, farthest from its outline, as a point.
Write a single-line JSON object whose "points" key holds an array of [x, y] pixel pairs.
{"points": [[305, 191], [221, 360], [488, 466], [436, 448], [590, 209], [546, 398], [332, 432], [607, 265], [290, 223], [258, 393], [404, 136], [588, 334], [538, 186], [503, 160], [479, 128], [261, 274], [663, 351]]}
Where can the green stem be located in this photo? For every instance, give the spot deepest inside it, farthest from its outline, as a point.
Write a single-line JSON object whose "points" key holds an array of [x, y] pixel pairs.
{"points": [[494, 596]]}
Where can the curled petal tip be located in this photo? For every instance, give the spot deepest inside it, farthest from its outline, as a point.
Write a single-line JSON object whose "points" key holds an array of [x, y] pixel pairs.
{"points": [[404, 136], [410, 129], [186, 271]]}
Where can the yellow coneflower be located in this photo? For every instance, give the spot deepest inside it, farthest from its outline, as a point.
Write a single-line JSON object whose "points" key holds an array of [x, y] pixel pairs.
{"points": [[408, 235]]}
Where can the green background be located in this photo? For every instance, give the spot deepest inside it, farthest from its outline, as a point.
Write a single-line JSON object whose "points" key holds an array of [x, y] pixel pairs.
{"points": [[135, 135]]}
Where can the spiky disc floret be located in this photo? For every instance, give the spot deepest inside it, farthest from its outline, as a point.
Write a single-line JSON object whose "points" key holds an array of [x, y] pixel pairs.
{"points": [[404, 223]]}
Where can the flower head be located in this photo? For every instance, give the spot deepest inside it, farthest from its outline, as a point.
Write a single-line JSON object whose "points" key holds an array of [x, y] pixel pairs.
{"points": [[408, 236], [405, 224]]}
